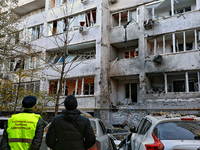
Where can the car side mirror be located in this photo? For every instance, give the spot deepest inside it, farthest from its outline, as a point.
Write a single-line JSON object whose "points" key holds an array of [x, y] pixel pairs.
{"points": [[133, 129]]}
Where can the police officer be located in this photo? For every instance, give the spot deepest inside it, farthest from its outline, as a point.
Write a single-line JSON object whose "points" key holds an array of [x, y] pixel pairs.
{"points": [[24, 131]]}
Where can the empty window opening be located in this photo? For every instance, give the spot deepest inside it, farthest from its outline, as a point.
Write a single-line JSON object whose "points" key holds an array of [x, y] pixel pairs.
{"points": [[172, 82], [179, 86], [155, 83], [119, 51], [131, 92], [131, 54]]}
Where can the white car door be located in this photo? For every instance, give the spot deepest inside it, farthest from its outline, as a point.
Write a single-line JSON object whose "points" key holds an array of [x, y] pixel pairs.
{"points": [[141, 134]]}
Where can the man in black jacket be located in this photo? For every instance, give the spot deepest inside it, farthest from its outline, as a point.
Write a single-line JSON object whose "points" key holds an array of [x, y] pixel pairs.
{"points": [[70, 130], [25, 130]]}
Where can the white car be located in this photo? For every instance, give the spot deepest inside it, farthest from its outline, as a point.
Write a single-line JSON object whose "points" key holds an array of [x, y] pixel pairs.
{"points": [[163, 133]]}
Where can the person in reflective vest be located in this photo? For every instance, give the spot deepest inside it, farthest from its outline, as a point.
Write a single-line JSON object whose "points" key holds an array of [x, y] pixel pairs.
{"points": [[24, 131]]}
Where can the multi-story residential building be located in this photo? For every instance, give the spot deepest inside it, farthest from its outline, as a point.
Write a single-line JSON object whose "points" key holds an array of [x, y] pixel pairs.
{"points": [[137, 56]]}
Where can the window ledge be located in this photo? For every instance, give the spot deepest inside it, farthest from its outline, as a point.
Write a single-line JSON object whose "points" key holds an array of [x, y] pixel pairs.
{"points": [[123, 25], [188, 51]]}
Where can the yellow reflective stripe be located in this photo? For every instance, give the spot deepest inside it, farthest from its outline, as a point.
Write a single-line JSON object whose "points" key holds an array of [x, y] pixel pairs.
{"points": [[20, 140]]}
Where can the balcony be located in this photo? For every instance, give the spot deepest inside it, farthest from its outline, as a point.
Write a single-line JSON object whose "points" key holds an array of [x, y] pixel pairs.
{"points": [[26, 6]]}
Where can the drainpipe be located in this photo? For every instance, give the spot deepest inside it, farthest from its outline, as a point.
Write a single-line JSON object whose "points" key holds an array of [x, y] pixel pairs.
{"points": [[186, 82]]}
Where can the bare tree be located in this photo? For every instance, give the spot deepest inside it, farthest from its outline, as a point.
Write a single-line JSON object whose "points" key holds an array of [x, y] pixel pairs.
{"points": [[13, 54]]}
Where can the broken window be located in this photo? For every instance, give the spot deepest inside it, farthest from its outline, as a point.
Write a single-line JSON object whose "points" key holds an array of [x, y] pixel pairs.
{"points": [[32, 63], [83, 86], [35, 32], [53, 87], [16, 63], [15, 38], [130, 54], [172, 43], [78, 55], [21, 36], [88, 86], [163, 8], [173, 82], [55, 3], [72, 23], [90, 18], [124, 17], [12, 64], [32, 86], [121, 18], [119, 51], [52, 28], [131, 92], [155, 83]]}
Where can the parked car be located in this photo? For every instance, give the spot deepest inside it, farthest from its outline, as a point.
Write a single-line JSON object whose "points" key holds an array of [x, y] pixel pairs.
{"points": [[162, 133], [3, 121]]}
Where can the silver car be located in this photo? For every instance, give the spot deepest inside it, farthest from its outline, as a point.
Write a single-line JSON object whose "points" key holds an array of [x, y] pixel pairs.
{"points": [[162, 133]]}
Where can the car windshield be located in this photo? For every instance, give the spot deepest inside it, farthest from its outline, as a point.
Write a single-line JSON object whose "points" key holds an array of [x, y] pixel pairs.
{"points": [[178, 130]]}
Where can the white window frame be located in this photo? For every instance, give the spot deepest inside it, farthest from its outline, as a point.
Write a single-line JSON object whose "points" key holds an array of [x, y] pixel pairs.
{"points": [[33, 33], [128, 16], [13, 63], [35, 64]]}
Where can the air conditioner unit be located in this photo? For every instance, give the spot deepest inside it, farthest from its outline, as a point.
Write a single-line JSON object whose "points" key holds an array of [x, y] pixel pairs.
{"points": [[84, 1], [148, 24], [112, 1], [83, 29]]}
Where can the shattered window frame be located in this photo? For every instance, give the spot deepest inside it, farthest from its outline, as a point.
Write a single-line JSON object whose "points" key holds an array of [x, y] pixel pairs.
{"points": [[87, 19], [151, 9], [57, 58], [12, 64], [32, 62], [130, 54], [35, 32], [118, 18], [129, 91]]}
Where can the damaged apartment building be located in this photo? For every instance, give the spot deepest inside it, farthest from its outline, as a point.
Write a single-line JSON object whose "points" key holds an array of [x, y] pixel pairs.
{"points": [[137, 56]]}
